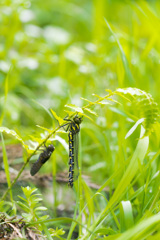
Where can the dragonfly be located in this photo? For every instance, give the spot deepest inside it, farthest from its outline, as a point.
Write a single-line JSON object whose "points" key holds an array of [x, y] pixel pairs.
{"points": [[43, 157], [73, 130]]}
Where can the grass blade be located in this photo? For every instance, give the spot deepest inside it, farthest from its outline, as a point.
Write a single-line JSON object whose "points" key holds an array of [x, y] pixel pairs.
{"points": [[123, 56], [6, 167], [126, 215]]}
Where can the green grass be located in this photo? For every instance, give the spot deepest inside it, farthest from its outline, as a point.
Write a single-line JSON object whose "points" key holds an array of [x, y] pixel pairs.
{"points": [[58, 53]]}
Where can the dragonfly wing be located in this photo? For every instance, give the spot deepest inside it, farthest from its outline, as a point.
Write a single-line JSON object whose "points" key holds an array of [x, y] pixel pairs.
{"points": [[76, 147]]}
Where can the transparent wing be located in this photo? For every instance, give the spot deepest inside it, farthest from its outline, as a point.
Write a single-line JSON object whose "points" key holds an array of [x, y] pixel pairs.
{"points": [[76, 147]]}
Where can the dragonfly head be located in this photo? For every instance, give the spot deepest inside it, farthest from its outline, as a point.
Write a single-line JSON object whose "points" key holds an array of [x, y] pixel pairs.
{"points": [[51, 148], [77, 119]]}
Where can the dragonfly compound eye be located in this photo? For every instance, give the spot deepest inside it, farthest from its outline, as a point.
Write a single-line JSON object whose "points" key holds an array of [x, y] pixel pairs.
{"points": [[77, 120], [51, 148]]}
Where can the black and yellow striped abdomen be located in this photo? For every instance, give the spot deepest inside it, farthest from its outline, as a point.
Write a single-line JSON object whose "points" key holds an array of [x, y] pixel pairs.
{"points": [[74, 129], [71, 159]]}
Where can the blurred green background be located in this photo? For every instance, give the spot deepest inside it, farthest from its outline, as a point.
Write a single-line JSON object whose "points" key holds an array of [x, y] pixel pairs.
{"points": [[54, 52]]}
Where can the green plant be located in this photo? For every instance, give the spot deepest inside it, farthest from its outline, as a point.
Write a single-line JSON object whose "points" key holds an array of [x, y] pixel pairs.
{"points": [[31, 205], [32, 211], [148, 113], [55, 52]]}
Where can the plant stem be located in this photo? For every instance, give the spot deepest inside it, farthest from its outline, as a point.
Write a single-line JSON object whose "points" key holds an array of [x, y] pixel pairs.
{"points": [[27, 161]]}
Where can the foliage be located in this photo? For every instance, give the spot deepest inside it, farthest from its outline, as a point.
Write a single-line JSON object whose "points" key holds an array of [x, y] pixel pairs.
{"points": [[32, 209], [30, 205], [57, 57], [148, 108]]}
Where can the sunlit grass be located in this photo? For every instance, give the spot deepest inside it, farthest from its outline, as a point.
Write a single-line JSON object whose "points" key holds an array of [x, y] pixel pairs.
{"points": [[52, 54]]}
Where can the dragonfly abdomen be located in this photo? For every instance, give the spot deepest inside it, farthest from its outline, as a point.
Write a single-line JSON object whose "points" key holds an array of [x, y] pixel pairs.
{"points": [[74, 129], [71, 159]]}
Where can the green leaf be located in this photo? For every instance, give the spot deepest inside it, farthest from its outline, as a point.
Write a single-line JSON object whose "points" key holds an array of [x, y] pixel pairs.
{"points": [[74, 107], [43, 218], [59, 119], [84, 115], [139, 154], [131, 91], [42, 106], [143, 229], [35, 199], [2, 203], [45, 229], [134, 127], [70, 113], [40, 209], [123, 56], [5, 94], [121, 95], [108, 90], [24, 199], [91, 111], [96, 95], [120, 112], [104, 103], [105, 231], [56, 232], [86, 100], [46, 129], [28, 190], [14, 134], [6, 166], [126, 215], [27, 216], [23, 206], [132, 169], [145, 106]]}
